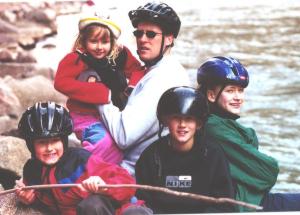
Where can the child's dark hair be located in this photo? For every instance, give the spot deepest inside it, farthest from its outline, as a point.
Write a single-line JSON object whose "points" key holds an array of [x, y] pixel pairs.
{"points": [[183, 101]]}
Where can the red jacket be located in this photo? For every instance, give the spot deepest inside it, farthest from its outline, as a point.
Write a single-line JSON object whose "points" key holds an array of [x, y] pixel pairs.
{"points": [[75, 166], [84, 92]]}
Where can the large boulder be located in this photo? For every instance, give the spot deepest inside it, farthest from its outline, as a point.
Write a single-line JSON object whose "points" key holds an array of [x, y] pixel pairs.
{"points": [[7, 124], [13, 153], [16, 95], [24, 70], [9, 108], [9, 102], [34, 89]]}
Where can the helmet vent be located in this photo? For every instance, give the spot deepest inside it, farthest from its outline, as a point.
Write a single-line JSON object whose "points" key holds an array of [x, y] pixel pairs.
{"points": [[234, 70], [51, 110], [222, 70], [29, 123], [45, 120]]}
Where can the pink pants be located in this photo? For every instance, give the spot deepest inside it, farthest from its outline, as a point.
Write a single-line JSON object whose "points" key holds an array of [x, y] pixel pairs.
{"points": [[95, 137]]}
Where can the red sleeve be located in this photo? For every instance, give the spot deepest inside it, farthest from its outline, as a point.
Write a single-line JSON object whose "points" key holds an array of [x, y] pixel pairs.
{"points": [[112, 174], [133, 69], [135, 77], [65, 82], [132, 64]]}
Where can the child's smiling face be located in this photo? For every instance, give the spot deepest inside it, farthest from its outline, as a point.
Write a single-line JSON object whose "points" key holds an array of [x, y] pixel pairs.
{"points": [[99, 44], [48, 150], [182, 130], [231, 98]]}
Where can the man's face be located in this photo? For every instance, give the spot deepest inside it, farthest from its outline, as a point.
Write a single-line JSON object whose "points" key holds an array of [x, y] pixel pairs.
{"points": [[149, 48]]}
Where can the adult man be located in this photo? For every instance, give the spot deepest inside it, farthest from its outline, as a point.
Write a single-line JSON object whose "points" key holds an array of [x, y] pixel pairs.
{"points": [[157, 25]]}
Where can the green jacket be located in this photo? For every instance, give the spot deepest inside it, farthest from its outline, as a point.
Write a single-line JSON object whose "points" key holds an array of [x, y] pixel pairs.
{"points": [[253, 172]]}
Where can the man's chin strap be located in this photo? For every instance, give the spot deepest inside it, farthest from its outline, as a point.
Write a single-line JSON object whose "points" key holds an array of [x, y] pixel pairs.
{"points": [[153, 61], [161, 53]]}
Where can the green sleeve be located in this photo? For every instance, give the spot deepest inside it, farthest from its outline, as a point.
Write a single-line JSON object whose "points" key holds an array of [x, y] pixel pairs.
{"points": [[247, 165]]}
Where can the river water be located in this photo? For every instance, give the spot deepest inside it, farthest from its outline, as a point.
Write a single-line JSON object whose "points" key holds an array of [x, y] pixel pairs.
{"points": [[266, 38], [264, 35]]}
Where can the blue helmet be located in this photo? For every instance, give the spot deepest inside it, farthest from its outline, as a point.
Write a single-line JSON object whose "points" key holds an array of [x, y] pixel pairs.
{"points": [[222, 71]]}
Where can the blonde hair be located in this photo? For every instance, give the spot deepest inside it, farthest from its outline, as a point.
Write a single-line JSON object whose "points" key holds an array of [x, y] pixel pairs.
{"points": [[100, 31]]}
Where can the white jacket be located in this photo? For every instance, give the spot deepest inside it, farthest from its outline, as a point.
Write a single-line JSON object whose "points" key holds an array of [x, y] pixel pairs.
{"points": [[136, 127]]}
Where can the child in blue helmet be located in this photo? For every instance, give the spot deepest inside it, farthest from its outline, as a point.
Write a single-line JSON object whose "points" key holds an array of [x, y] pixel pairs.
{"points": [[223, 80], [184, 160]]}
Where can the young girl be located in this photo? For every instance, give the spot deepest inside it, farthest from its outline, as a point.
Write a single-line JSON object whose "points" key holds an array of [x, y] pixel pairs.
{"points": [[45, 128], [184, 160], [94, 73]]}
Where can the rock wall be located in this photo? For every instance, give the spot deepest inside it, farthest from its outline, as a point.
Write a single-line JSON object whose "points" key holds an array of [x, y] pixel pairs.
{"points": [[23, 82]]}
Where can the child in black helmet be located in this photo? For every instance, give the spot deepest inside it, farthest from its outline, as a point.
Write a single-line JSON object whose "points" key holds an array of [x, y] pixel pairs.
{"points": [[223, 80], [45, 128], [184, 160]]}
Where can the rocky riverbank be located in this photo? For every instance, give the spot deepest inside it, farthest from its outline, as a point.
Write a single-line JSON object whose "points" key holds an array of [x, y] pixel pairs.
{"points": [[22, 80]]}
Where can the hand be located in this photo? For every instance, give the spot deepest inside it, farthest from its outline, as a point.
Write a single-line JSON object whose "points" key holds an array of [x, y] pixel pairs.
{"points": [[112, 77], [27, 197], [101, 66], [93, 185], [120, 100]]}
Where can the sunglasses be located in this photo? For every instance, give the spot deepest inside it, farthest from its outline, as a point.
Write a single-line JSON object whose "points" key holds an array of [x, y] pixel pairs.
{"points": [[149, 34]]}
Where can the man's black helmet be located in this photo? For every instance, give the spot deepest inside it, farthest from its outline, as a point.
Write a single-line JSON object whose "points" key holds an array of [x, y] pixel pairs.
{"points": [[158, 13], [183, 101], [44, 120]]}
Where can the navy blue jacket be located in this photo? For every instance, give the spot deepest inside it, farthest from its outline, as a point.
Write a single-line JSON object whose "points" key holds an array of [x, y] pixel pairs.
{"points": [[203, 170]]}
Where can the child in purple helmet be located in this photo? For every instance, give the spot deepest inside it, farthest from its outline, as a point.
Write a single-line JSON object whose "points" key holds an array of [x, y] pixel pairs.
{"points": [[223, 80]]}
